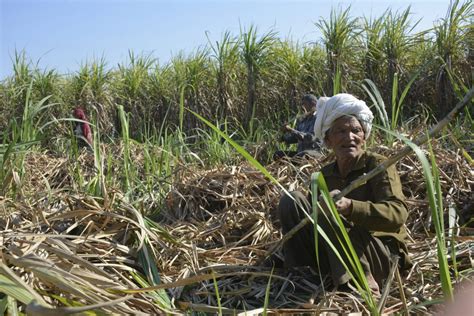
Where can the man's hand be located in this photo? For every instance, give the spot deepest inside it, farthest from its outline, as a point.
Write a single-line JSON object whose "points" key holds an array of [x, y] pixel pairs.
{"points": [[286, 128], [344, 205]]}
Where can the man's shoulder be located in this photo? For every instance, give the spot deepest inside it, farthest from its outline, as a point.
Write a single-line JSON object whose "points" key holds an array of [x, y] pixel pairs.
{"points": [[306, 118], [374, 158], [328, 169]]}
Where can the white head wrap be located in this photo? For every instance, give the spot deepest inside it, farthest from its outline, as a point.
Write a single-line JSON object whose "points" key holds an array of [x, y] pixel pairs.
{"points": [[330, 109], [321, 102]]}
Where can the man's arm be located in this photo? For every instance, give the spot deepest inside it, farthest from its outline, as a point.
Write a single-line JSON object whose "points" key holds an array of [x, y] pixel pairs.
{"points": [[388, 211], [291, 135]]}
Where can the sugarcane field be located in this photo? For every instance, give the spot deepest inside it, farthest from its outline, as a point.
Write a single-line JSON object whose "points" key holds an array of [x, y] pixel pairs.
{"points": [[255, 175]]}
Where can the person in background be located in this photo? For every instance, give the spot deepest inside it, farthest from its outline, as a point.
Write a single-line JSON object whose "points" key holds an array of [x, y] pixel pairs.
{"points": [[303, 133], [82, 130], [376, 211]]}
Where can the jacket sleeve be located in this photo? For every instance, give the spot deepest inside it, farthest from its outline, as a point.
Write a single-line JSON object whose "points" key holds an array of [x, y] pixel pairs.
{"points": [[308, 137], [387, 211], [290, 138], [87, 133]]}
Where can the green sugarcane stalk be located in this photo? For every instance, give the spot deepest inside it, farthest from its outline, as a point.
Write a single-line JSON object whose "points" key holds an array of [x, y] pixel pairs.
{"points": [[383, 166]]}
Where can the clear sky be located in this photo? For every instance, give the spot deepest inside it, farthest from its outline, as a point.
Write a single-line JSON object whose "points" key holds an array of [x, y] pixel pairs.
{"points": [[62, 34]]}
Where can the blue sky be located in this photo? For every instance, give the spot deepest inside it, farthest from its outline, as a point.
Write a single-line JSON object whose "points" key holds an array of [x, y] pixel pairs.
{"points": [[62, 34]]}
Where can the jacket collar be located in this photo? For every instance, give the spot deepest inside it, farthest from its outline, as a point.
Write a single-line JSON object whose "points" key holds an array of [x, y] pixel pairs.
{"points": [[360, 164]]}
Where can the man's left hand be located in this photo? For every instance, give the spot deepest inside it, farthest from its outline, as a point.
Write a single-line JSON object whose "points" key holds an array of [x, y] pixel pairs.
{"points": [[343, 205], [286, 128]]}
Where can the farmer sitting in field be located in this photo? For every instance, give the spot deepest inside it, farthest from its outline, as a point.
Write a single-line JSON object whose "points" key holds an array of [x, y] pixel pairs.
{"points": [[82, 130], [303, 134], [376, 211]]}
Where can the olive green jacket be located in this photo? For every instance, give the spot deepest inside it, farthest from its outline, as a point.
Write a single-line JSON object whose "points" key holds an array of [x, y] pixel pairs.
{"points": [[378, 205]]}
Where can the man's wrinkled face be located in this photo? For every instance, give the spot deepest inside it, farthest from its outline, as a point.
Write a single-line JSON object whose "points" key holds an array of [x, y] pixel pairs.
{"points": [[346, 137]]}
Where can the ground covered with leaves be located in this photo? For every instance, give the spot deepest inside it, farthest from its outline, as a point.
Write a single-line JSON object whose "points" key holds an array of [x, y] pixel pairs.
{"points": [[203, 251]]}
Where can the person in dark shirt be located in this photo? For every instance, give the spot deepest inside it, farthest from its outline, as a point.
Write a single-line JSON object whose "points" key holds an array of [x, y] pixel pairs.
{"points": [[376, 210], [303, 133]]}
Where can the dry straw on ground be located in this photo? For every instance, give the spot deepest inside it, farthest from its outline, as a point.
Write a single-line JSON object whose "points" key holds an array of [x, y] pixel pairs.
{"points": [[64, 247]]}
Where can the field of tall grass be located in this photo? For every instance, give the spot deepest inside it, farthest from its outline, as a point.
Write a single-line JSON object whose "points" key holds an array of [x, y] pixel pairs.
{"points": [[171, 210]]}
